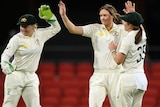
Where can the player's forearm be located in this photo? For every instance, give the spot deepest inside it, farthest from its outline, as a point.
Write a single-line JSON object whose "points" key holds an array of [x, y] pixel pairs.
{"points": [[68, 24], [72, 28], [118, 57]]}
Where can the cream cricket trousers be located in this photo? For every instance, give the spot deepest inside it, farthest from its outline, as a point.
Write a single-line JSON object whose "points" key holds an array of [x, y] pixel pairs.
{"points": [[22, 84], [101, 85], [131, 95]]}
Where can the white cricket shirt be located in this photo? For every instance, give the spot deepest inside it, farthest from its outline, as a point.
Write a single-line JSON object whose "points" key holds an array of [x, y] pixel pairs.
{"points": [[101, 38], [27, 50], [134, 60]]}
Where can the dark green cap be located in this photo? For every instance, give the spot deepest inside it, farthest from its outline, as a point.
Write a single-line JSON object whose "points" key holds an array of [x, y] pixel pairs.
{"points": [[27, 19], [134, 18]]}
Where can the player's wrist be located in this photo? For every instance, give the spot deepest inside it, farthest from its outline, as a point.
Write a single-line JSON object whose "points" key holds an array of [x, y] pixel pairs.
{"points": [[52, 19], [113, 50]]}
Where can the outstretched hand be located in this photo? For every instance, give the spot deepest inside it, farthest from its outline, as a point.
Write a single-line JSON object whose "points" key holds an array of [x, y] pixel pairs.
{"points": [[129, 7], [62, 8], [45, 12]]}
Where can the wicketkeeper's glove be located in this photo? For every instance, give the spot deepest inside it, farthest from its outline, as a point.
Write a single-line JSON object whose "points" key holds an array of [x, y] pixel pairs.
{"points": [[46, 13], [7, 67]]}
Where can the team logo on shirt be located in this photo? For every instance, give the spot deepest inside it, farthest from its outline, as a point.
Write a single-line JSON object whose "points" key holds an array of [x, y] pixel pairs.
{"points": [[37, 42], [100, 33], [115, 33], [25, 45]]}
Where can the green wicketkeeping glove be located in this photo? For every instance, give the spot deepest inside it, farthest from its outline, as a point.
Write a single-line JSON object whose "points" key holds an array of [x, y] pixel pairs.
{"points": [[7, 67], [46, 13]]}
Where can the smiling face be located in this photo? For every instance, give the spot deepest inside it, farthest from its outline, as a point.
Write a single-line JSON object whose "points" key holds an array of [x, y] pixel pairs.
{"points": [[105, 17], [108, 15]]}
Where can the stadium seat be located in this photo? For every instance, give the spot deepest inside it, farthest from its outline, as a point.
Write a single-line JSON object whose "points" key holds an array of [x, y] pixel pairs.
{"points": [[151, 96], [70, 100], [68, 83], [155, 75], [47, 71], [67, 105], [47, 66], [84, 100], [154, 83], [2, 75], [21, 103], [155, 67], [49, 83], [149, 101], [147, 69], [52, 91], [106, 103], [66, 71], [151, 92], [84, 67], [82, 84], [84, 75], [158, 102], [83, 105], [1, 100], [50, 101], [72, 91], [84, 70]]}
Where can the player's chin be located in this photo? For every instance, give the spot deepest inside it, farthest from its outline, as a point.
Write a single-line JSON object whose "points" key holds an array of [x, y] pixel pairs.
{"points": [[104, 22], [25, 33]]}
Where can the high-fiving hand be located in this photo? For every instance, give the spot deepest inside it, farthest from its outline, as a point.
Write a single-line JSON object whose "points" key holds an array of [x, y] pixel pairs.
{"points": [[129, 7], [46, 13], [62, 8]]}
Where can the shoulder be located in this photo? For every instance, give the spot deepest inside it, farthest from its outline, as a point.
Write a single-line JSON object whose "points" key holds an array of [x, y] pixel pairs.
{"points": [[119, 27], [130, 37], [16, 36], [95, 25]]}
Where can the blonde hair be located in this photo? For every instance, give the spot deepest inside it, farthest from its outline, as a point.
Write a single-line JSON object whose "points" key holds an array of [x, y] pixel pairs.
{"points": [[111, 9]]}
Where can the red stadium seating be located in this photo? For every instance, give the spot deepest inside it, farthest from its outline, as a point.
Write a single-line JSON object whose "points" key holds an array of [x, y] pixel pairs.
{"points": [[66, 71]]}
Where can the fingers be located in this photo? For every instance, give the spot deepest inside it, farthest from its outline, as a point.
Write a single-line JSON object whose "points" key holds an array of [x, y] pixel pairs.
{"points": [[45, 7], [129, 4], [129, 7], [61, 4], [134, 5], [124, 10]]}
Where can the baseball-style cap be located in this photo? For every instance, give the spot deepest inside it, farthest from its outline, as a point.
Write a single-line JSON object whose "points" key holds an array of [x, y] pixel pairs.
{"points": [[134, 18], [27, 19]]}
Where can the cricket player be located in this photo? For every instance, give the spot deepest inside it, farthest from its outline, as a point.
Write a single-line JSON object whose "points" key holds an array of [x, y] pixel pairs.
{"points": [[105, 78], [26, 47], [132, 55]]}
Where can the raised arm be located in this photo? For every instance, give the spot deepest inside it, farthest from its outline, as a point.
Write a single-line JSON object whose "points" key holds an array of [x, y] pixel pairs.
{"points": [[72, 28], [129, 7], [46, 14]]}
